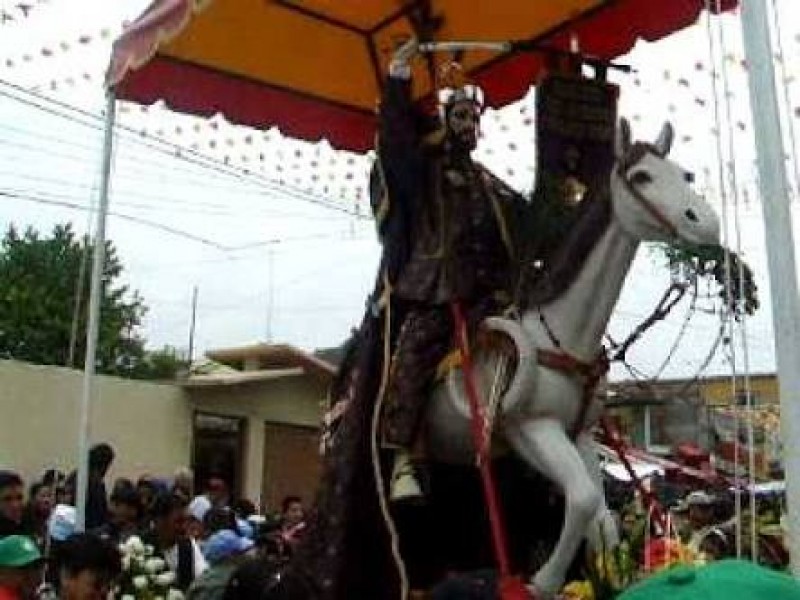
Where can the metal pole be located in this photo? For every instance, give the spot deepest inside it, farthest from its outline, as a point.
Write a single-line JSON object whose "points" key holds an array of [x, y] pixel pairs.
{"points": [[780, 250], [192, 326], [270, 292], [92, 329]]}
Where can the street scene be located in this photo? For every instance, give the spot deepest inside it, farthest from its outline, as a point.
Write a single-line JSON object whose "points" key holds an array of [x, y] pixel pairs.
{"points": [[399, 300]]}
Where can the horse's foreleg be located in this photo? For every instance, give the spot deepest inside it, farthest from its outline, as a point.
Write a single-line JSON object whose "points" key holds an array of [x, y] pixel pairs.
{"points": [[544, 445], [603, 532]]}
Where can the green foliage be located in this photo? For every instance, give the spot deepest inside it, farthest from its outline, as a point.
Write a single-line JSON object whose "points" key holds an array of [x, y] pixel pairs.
{"points": [[741, 296], [38, 296], [161, 364]]}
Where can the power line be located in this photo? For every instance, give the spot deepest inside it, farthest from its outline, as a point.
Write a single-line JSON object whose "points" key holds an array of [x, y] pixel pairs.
{"points": [[131, 218], [164, 146]]}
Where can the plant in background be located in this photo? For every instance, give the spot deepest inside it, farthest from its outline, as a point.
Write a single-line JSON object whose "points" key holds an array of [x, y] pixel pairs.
{"points": [[715, 263], [144, 575]]}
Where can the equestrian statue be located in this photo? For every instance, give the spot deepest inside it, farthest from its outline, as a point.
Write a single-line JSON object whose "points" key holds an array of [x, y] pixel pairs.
{"points": [[533, 281]]}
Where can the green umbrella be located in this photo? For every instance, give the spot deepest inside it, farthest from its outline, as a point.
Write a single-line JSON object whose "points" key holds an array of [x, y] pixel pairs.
{"points": [[723, 580]]}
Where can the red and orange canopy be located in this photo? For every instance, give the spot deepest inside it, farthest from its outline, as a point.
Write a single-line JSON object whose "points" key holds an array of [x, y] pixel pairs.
{"points": [[314, 68]]}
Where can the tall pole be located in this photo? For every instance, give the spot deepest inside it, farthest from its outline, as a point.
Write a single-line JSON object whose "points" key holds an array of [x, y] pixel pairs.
{"points": [[773, 186], [270, 291], [92, 329], [192, 326]]}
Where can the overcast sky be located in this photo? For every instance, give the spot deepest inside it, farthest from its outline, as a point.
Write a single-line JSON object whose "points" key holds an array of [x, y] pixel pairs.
{"points": [[255, 204]]}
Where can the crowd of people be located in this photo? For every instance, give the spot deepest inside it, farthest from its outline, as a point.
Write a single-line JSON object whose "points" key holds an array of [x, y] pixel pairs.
{"points": [[209, 544]]}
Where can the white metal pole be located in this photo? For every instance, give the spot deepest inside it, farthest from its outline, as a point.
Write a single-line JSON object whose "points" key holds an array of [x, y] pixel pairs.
{"points": [[92, 329], [774, 190]]}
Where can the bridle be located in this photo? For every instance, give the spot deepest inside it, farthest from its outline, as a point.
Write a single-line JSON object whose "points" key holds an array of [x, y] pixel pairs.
{"points": [[634, 155]]}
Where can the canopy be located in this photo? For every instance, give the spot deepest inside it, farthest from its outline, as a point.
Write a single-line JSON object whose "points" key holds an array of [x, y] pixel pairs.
{"points": [[314, 68]]}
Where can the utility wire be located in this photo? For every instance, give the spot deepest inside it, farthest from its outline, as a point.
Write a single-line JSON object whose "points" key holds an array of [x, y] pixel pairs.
{"points": [[57, 108]]}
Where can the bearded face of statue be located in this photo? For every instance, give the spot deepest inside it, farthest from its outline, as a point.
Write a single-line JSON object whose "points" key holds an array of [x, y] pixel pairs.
{"points": [[463, 121]]}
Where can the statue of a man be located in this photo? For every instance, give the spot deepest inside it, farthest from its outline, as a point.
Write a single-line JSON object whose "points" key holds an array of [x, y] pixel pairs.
{"points": [[453, 229]]}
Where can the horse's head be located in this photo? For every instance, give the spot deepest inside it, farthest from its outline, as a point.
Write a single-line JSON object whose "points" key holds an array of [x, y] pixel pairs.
{"points": [[652, 196]]}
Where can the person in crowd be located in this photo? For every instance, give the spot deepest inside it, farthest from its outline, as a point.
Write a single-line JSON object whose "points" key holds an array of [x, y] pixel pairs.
{"points": [[247, 517], [198, 508], [218, 492], [168, 536], [12, 505], [219, 518], [183, 482], [224, 550], [148, 489], [20, 568], [254, 578], [100, 458], [37, 511], [89, 567], [56, 480], [703, 533], [292, 521], [125, 515]]}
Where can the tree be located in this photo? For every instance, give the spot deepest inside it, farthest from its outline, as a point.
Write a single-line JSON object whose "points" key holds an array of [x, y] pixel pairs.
{"points": [[44, 285]]}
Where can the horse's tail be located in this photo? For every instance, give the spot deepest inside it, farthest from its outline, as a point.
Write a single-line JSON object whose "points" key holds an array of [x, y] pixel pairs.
{"points": [[525, 376]]}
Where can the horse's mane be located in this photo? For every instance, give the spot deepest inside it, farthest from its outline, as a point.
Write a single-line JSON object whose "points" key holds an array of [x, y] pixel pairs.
{"points": [[551, 265]]}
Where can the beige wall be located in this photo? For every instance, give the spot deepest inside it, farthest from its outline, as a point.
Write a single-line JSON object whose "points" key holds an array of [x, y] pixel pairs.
{"points": [[288, 400], [148, 424]]}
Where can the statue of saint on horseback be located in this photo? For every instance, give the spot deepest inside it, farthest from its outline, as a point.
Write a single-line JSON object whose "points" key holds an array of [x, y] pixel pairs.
{"points": [[461, 247]]}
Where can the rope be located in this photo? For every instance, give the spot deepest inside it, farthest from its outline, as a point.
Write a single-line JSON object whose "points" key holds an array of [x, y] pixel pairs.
{"points": [[742, 323], [723, 191], [380, 488]]}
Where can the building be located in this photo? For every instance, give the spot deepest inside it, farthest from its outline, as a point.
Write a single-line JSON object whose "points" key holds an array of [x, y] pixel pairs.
{"points": [[702, 420], [250, 413], [258, 419]]}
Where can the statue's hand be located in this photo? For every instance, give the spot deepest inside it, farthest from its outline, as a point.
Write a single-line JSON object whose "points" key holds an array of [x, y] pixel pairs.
{"points": [[399, 66]]}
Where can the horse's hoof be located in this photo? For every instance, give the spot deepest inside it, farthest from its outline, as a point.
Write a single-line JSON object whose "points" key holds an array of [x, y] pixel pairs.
{"points": [[538, 592]]}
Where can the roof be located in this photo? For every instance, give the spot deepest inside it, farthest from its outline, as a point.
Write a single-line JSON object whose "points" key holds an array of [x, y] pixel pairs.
{"points": [[230, 378], [272, 360]]}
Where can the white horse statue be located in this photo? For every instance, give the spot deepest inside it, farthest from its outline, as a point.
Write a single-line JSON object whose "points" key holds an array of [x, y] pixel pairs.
{"points": [[546, 414]]}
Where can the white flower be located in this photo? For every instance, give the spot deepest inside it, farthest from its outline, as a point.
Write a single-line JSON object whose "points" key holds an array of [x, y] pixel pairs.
{"points": [[140, 582], [148, 550], [127, 597], [126, 562], [165, 578], [154, 565], [134, 546], [173, 594]]}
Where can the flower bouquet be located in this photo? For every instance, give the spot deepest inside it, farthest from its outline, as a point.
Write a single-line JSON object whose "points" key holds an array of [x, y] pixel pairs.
{"points": [[144, 575]]}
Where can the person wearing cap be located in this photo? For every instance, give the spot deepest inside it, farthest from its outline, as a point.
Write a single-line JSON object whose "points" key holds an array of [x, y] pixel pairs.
{"points": [[225, 551], [197, 510], [704, 534], [448, 229], [20, 567]]}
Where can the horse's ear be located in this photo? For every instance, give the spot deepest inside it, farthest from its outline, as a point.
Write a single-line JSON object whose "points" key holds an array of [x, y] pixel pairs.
{"points": [[664, 141], [623, 139]]}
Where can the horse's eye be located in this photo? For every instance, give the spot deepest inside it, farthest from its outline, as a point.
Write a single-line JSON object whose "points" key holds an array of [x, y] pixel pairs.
{"points": [[688, 176], [641, 178]]}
